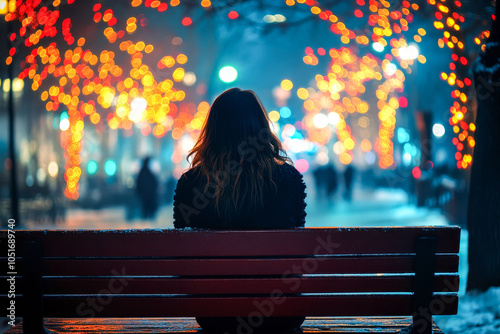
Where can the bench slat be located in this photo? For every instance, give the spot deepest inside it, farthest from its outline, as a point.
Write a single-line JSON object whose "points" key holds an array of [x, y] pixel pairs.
{"points": [[306, 284], [209, 243], [367, 305], [184, 267]]}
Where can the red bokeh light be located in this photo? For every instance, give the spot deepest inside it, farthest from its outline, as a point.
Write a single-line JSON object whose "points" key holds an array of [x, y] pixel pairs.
{"points": [[163, 7], [416, 172], [403, 102], [233, 15]]}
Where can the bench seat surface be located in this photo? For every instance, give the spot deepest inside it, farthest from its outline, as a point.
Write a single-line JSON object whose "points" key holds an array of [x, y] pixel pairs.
{"points": [[350, 325]]}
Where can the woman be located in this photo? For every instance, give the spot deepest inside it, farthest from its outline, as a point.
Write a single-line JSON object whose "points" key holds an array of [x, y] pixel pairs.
{"points": [[241, 178]]}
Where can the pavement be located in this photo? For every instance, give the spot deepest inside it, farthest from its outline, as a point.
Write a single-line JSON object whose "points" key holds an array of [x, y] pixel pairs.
{"points": [[380, 207]]}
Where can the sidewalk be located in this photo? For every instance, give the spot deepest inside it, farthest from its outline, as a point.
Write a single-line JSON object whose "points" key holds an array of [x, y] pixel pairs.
{"points": [[381, 207]]}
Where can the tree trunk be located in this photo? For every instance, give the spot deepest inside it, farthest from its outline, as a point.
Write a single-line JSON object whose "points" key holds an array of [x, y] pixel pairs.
{"points": [[483, 218]]}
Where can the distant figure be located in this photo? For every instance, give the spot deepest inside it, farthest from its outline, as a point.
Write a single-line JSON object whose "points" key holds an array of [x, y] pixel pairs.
{"points": [[348, 179], [147, 190], [319, 182], [331, 181]]}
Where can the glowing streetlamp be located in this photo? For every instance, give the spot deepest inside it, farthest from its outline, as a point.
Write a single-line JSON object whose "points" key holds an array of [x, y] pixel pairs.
{"points": [[228, 74]]}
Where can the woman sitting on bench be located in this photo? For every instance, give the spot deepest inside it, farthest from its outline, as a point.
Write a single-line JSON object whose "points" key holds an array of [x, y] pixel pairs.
{"points": [[240, 178]]}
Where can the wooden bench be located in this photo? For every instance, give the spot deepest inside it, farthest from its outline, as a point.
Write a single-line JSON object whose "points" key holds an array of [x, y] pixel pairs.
{"points": [[401, 275]]}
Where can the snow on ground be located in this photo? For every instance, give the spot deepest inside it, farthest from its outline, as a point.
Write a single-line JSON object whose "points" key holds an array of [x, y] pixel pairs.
{"points": [[478, 313], [381, 207]]}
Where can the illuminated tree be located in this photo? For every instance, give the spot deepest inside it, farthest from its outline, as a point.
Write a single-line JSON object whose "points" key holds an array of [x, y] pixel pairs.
{"points": [[88, 84], [97, 87], [343, 90]]}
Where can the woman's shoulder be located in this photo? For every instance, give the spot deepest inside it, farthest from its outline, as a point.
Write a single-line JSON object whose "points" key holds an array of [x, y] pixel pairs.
{"points": [[287, 174], [191, 174], [189, 177], [287, 170]]}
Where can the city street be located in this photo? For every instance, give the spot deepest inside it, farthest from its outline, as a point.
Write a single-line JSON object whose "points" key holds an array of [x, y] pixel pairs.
{"points": [[381, 207]]}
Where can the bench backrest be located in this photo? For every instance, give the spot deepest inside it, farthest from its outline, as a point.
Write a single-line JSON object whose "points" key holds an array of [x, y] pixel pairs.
{"points": [[355, 271]]}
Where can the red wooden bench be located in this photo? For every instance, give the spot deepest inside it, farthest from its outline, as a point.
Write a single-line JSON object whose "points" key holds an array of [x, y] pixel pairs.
{"points": [[77, 278]]}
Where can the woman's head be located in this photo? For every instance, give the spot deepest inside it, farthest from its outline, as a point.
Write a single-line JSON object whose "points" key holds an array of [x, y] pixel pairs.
{"points": [[237, 150]]}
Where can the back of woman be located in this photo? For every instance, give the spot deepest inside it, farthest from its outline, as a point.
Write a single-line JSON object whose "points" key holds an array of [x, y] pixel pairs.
{"points": [[241, 178]]}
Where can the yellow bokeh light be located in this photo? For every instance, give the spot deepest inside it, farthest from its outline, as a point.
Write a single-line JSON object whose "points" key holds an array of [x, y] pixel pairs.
{"points": [[140, 46], [366, 146], [302, 93], [345, 158], [182, 59], [274, 116], [286, 84], [349, 144], [178, 74]]}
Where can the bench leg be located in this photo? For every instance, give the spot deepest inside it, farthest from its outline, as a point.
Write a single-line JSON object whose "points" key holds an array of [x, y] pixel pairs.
{"points": [[32, 294], [425, 264]]}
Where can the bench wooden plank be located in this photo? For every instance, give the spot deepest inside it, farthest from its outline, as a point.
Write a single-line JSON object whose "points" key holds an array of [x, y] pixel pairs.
{"points": [[224, 259], [316, 305], [171, 243], [174, 285], [352, 325], [217, 267]]}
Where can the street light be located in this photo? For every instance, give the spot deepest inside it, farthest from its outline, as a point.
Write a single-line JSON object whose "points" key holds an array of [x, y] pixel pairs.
{"points": [[5, 8], [228, 74]]}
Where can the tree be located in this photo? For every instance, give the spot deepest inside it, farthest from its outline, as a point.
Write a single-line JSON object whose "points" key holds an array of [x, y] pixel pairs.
{"points": [[483, 217]]}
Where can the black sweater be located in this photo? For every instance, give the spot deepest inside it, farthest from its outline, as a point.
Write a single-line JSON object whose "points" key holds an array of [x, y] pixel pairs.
{"points": [[284, 205]]}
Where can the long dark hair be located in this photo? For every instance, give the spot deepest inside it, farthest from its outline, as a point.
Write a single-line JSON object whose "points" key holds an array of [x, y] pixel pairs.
{"points": [[237, 152]]}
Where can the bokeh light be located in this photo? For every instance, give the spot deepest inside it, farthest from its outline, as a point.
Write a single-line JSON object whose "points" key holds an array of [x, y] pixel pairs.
{"points": [[228, 74]]}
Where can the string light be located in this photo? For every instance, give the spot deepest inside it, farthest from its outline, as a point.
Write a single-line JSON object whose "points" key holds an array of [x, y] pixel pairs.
{"points": [[97, 90], [449, 21]]}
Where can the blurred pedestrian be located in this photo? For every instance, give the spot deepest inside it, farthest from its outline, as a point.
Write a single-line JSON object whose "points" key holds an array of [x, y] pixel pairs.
{"points": [[348, 180], [331, 181], [319, 182], [147, 190]]}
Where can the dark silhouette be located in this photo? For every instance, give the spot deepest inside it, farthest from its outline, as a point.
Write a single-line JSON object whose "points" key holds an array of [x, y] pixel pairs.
{"points": [[147, 190], [319, 182], [326, 182], [241, 178], [331, 181], [348, 179]]}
